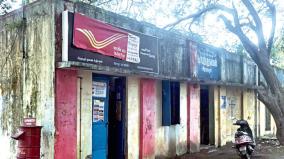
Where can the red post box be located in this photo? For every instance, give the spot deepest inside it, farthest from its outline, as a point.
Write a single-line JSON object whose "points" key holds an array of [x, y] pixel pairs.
{"points": [[28, 137]]}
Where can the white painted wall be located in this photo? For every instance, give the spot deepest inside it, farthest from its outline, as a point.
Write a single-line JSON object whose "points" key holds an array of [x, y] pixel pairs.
{"points": [[181, 129], [162, 139], [171, 140]]}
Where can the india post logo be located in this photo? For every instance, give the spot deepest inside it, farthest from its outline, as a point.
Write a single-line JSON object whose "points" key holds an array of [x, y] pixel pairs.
{"points": [[98, 37]]}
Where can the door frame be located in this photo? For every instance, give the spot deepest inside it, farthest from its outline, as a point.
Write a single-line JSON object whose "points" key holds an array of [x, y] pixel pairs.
{"points": [[107, 79]]}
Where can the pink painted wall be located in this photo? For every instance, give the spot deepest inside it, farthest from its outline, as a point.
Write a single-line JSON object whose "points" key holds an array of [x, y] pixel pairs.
{"points": [[193, 118], [65, 114], [188, 117], [147, 118]]}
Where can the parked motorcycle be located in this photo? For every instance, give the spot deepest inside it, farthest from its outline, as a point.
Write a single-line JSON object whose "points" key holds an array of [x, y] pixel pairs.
{"points": [[244, 142]]}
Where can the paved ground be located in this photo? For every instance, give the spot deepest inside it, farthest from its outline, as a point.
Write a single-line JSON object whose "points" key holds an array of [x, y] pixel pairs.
{"points": [[265, 149]]}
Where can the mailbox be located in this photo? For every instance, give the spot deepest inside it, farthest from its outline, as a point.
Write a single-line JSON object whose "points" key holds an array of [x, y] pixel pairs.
{"points": [[28, 137]]}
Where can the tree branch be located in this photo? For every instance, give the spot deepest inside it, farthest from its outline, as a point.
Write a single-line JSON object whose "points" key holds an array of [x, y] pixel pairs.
{"points": [[250, 47], [249, 24], [228, 24], [258, 23], [273, 25], [102, 3], [196, 15]]}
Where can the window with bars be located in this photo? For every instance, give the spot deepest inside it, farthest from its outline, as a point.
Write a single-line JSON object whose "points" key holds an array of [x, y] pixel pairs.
{"points": [[267, 120], [170, 103]]}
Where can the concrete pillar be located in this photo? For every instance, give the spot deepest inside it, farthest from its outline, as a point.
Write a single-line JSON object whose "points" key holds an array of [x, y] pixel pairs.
{"points": [[249, 108], [193, 113], [217, 109], [65, 114], [133, 117], [223, 113], [84, 94], [181, 133], [147, 118], [234, 104]]}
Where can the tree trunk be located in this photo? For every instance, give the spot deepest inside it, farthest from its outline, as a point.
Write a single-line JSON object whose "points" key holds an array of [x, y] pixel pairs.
{"points": [[280, 130]]}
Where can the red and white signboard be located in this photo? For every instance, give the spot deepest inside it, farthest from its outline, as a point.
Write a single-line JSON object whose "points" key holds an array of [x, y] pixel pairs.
{"points": [[96, 36], [29, 122]]}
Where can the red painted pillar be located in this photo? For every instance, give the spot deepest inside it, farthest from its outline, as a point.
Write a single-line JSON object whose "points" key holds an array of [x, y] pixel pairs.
{"points": [[193, 118], [147, 118], [65, 114]]}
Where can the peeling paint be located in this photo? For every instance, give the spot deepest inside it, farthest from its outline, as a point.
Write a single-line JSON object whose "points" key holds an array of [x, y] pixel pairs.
{"points": [[193, 118], [147, 118], [133, 117]]}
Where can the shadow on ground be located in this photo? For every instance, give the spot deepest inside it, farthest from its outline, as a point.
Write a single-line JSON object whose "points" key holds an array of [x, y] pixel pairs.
{"points": [[265, 149]]}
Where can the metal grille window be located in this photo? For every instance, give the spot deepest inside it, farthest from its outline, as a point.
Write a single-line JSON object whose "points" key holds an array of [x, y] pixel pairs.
{"points": [[170, 103], [267, 120]]}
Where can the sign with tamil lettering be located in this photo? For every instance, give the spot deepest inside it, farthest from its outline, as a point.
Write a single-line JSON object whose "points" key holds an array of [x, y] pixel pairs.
{"points": [[95, 42], [204, 62]]}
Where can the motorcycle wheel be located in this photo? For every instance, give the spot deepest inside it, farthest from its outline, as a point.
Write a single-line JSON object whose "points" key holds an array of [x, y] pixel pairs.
{"points": [[245, 156]]}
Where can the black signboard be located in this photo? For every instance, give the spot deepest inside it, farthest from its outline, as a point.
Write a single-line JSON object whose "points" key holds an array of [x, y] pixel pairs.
{"points": [[148, 53], [208, 65], [204, 62]]}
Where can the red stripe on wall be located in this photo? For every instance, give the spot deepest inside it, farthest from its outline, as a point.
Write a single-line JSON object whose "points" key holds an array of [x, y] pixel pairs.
{"points": [[65, 114], [188, 117], [193, 115], [147, 118]]}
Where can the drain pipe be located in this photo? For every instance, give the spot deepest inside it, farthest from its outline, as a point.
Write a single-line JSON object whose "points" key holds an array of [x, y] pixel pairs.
{"points": [[80, 116], [24, 54]]}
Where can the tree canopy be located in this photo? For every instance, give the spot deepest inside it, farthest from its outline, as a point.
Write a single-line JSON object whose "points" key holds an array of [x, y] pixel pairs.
{"points": [[6, 6], [205, 26]]}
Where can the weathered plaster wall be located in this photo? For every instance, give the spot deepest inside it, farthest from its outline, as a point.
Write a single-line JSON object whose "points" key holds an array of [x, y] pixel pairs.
{"points": [[229, 104], [11, 107], [85, 86], [233, 111], [249, 72], [262, 131], [133, 117], [27, 84], [249, 106]]}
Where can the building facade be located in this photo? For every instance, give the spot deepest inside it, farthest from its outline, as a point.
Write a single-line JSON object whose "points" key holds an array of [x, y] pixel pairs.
{"points": [[104, 85]]}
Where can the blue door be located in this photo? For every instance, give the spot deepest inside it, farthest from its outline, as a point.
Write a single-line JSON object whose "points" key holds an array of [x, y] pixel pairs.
{"points": [[100, 94]]}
